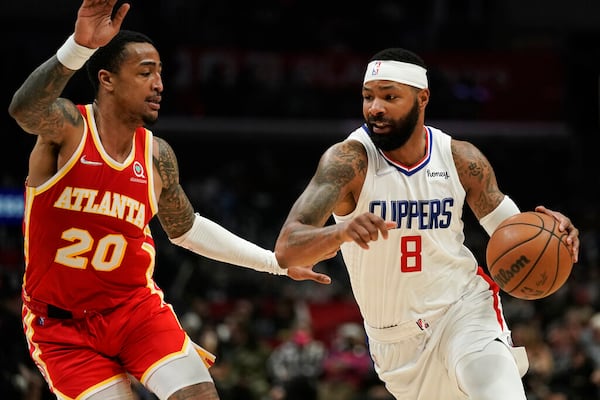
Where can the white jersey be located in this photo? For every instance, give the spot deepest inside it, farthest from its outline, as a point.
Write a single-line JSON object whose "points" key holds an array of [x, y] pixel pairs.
{"points": [[423, 266]]}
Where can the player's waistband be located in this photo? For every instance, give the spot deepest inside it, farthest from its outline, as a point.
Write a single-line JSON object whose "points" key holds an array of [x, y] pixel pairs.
{"points": [[405, 329], [46, 310]]}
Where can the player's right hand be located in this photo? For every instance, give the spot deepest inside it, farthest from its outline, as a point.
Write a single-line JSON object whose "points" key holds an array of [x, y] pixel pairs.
{"points": [[366, 228]]}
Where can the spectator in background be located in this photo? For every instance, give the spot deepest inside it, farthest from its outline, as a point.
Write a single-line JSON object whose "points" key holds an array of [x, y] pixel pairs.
{"points": [[296, 365], [19, 377], [541, 362], [347, 368], [590, 341]]}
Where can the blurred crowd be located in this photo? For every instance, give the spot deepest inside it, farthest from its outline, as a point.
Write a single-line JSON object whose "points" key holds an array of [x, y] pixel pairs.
{"points": [[277, 339]]}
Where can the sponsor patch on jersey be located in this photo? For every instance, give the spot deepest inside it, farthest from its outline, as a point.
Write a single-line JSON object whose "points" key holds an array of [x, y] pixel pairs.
{"points": [[437, 174]]}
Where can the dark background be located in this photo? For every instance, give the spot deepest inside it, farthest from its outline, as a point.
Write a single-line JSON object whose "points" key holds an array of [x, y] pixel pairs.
{"points": [[256, 91]]}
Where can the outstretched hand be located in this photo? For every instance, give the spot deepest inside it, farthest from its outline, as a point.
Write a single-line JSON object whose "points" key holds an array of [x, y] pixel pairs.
{"points": [[96, 25], [565, 224], [307, 273]]}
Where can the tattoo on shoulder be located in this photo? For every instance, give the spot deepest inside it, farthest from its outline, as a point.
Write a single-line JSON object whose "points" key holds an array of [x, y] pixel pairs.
{"points": [[176, 213], [342, 164], [337, 170], [476, 173], [166, 163], [470, 163]]}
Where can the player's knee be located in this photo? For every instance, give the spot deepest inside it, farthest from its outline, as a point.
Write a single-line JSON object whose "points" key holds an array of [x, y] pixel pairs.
{"points": [[182, 372], [121, 390], [490, 373]]}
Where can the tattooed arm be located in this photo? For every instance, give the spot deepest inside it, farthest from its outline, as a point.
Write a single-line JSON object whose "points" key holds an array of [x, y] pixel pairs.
{"points": [[304, 238], [477, 177], [204, 237], [37, 108], [36, 105], [175, 211], [483, 196]]}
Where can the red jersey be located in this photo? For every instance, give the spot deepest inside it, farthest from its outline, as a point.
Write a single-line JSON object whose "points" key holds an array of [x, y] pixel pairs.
{"points": [[87, 241]]}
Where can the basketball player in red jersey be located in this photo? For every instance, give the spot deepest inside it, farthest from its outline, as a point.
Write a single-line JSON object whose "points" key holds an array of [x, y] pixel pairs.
{"points": [[92, 313]]}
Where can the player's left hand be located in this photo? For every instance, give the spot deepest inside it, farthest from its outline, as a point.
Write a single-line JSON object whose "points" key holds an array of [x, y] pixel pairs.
{"points": [[97, 22], [307, 273], [565, 224]]}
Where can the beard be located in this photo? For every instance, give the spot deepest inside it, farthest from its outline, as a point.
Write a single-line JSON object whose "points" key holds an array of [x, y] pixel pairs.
{"points": [[149, 120], [400, 130]]}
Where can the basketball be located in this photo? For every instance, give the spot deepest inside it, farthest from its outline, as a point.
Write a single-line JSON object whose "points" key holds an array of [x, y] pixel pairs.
{"points": [[528, 257]]}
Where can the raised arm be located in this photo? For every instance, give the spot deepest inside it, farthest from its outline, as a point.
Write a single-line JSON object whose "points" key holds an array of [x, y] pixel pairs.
{"points": [[36, 105]]}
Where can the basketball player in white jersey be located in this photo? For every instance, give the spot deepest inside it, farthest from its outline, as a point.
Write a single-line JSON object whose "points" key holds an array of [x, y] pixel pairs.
{"points": [[396, 189]]}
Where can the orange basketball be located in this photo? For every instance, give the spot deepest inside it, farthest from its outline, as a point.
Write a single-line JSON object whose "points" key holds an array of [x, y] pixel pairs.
{"points": [[528, 257]]}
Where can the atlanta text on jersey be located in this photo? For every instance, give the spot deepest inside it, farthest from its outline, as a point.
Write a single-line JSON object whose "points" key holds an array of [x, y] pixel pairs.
{"points": [[110, 204]]}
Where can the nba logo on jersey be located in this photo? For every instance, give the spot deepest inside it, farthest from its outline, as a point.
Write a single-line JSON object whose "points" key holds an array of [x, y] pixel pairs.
{"points": [[421, 323], [376, 67]]}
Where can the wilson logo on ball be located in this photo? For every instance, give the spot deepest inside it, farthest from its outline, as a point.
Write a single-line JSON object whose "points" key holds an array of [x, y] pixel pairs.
{"points": [[528, 255], [505, 275]]}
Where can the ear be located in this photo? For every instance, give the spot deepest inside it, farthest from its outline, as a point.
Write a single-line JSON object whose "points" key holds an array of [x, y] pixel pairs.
{"points": [[105, 79], [423, 97]]}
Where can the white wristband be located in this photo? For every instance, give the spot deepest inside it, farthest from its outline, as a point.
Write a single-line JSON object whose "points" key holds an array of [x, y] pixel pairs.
{"points": [[210, 239], [506, 208], [73, 55]]}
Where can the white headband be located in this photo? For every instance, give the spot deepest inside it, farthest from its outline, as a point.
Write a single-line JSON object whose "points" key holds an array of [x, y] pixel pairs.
{"points": [[397, 71]]}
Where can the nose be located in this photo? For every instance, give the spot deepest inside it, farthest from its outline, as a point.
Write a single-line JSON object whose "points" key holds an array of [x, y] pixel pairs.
{"points": [[376, 107], [157, 84]]}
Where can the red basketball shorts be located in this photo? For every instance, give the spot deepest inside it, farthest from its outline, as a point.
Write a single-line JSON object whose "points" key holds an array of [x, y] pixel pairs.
{"points": [[82, 354]]}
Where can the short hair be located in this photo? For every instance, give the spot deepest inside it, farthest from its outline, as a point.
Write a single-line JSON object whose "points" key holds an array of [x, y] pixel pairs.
{"points": [[399, 54], [111, 56]]}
